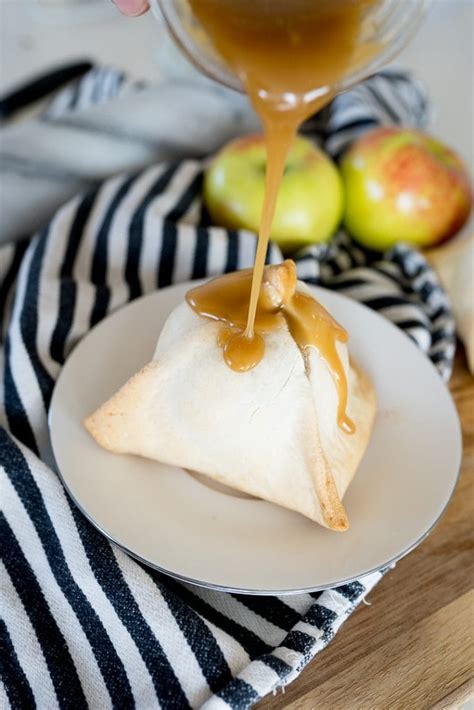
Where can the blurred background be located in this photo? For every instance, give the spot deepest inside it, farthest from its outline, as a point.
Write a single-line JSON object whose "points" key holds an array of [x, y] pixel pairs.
{"points": [[36, 34]]}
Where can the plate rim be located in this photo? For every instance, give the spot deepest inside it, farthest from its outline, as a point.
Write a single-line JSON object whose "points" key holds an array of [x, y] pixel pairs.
{"points": [[244, 590]]}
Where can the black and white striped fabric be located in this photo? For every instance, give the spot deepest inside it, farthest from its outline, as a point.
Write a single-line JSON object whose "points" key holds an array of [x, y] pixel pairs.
{"points": [[99, 86], [83, 625]]}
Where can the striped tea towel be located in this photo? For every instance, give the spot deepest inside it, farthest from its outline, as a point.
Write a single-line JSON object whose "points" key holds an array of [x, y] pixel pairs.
{"points": [[83, 625]]}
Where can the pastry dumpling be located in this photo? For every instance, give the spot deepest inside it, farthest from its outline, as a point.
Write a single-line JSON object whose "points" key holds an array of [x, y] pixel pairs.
{"points": [[273, 432]]}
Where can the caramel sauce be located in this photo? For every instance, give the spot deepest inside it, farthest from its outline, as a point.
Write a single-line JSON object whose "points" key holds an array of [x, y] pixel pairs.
{"points": [[289, 55], [226, 298]]}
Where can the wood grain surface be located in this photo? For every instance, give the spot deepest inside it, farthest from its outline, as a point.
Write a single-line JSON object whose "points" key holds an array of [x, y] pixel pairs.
{"points": [[413, 647]]}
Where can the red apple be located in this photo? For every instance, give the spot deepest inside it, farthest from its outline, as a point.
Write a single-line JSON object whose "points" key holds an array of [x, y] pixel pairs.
{"points": [[403, 185]]}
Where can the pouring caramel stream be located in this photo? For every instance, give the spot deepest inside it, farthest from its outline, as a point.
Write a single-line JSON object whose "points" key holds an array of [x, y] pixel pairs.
{"points": [[289, 54]]}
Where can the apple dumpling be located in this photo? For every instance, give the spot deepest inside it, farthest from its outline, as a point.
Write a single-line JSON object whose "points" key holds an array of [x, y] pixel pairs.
{"points": [[285, 417]]}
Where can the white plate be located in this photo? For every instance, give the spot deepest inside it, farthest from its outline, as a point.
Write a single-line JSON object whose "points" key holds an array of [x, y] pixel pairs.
{"points": [[179, 525]]}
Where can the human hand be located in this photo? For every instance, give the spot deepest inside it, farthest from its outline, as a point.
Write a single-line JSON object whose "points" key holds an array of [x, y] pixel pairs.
{"points": [[132, 8]]}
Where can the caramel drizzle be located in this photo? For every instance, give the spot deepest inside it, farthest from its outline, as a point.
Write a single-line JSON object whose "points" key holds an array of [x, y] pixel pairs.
{"points": [[289, 56], [225, 299]]}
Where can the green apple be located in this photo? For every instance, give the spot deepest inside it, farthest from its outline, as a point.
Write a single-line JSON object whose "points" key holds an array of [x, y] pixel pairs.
{"points": [[403, 185], [310, 200]]}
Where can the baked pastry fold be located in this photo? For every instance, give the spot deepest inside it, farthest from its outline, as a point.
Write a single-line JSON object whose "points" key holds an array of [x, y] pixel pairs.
{"points": [[271, 432]]}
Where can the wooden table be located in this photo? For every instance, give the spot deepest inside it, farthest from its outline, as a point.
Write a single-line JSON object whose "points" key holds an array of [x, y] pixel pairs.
{"points": [[413, 647]]}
